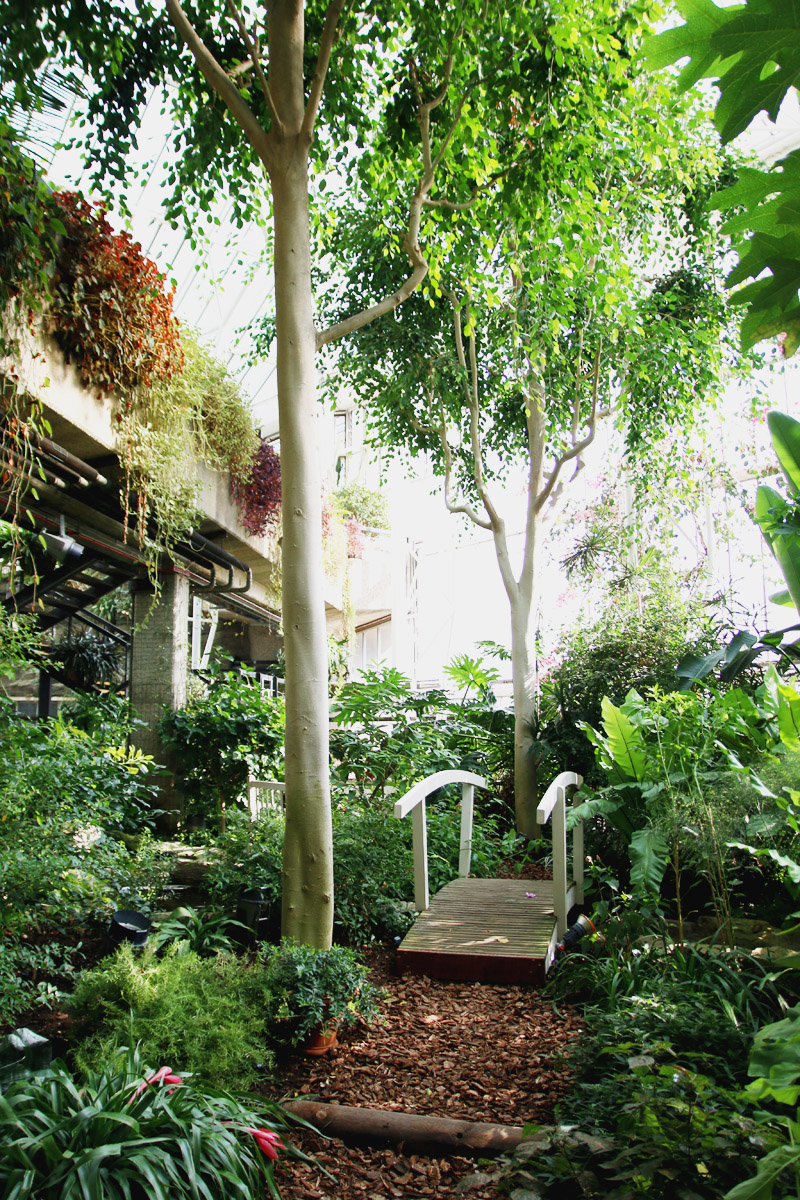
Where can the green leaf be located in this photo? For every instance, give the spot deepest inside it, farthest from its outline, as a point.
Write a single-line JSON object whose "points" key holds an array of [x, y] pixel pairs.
{"points": [[624, 741], [761, 1186], [648, 851], [696, 666], [734, 46], [785, 434]]}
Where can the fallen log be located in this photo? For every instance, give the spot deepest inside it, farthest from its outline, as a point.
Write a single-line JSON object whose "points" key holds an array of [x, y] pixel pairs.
{"points": [[425, 1135]]}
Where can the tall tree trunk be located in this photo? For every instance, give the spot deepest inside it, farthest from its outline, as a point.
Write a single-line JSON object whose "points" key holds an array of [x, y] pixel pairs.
{"points": [[523, 675], [307, 909]]}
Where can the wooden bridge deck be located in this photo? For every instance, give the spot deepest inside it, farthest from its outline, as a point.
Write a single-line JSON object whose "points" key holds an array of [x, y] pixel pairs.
{"points": [[486, 930]]}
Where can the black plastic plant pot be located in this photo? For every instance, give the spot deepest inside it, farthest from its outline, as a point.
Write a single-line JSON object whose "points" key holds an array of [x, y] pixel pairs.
{"points": [[251, 902], [129, 926]]}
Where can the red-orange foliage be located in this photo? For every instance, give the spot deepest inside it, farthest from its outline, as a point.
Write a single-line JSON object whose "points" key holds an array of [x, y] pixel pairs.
{"points": [[113, 317]]}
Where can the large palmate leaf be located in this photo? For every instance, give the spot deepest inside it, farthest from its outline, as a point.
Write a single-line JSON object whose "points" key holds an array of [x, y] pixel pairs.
{"points": [[735, 46], [753, 53]]}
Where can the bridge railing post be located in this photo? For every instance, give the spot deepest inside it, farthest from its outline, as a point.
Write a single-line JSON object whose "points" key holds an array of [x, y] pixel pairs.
{"points": [[467, 811], [554, 804], [414, 802]]}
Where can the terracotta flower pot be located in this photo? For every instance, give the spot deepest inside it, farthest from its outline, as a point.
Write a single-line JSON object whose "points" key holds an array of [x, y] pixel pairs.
{"points": [[320, 1041]]}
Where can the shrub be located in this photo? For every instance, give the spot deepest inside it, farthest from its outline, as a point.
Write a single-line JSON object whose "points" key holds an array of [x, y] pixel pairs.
{"points": [[636, 642], [21, 968], [385, 734], [220, 738], [129, 1131], [314, 989], [258, 492], [210, 1015], [64, 795]]}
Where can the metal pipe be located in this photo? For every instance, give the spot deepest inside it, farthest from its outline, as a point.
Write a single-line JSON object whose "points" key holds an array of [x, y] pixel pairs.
{"points": [[70, 460]]}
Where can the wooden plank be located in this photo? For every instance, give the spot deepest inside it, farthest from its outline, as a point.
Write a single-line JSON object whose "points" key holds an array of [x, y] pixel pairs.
{"points": [[487, 930]]}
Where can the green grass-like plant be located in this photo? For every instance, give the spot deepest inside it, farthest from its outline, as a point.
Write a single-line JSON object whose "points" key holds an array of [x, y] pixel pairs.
{"points": [[209, 1014], [127, 1132]]}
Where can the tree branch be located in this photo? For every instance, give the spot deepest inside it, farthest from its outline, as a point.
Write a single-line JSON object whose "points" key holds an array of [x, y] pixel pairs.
{"points": [[417, 260], [326, 42], [252, 50], [577, 448], [219, 82]]}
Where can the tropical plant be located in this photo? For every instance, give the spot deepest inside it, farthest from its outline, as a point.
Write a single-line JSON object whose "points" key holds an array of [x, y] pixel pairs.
{"points": [[212, 1012], [201, 933], [315, 989], [88, 660], [750, 52], [777, 515], [663, 758], [386, 734], [634, 642], [128, 1130], [774, 1068]]}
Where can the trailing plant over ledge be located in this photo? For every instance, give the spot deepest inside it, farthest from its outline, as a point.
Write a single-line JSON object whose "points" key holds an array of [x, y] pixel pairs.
{"points": [[107, 309], [258, 492], [111, 315]]}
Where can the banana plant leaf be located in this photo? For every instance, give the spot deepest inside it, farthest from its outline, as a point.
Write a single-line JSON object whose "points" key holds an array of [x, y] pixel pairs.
{"points": [[785, 434], [624, 741], [648, 851]]}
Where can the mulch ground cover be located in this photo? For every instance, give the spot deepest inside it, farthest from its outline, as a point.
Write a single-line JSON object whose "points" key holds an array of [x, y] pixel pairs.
{"points": [[474, 1052]]}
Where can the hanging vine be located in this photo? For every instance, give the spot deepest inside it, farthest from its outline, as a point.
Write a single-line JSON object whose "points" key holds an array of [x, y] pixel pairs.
{"points": [[107, 307]]}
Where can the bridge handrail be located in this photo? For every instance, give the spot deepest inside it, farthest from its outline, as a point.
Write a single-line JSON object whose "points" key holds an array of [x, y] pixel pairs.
{"points": [[554, 803], [413, 801]]}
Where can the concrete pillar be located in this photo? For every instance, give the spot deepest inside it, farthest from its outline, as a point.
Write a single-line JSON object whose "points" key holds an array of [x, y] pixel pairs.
{"points": [[159, 669]]}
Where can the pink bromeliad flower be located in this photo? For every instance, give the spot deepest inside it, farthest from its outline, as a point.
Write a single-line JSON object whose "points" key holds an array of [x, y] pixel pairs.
{"points": [[267, 1141], [162, 1075]]}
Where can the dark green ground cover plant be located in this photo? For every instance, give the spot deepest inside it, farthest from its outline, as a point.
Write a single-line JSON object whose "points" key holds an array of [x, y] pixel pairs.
{"points": [[210, 1014], [658, 1105], [128, 1130]]}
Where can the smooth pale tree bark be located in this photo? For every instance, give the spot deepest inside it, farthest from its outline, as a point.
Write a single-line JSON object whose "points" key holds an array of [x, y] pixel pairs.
{"points": [[307, 905], [545, 488], [307, 901]]}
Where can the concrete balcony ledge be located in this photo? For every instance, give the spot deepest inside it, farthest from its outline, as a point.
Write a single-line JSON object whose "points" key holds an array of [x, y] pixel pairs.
{"points": [[84, 423]]}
